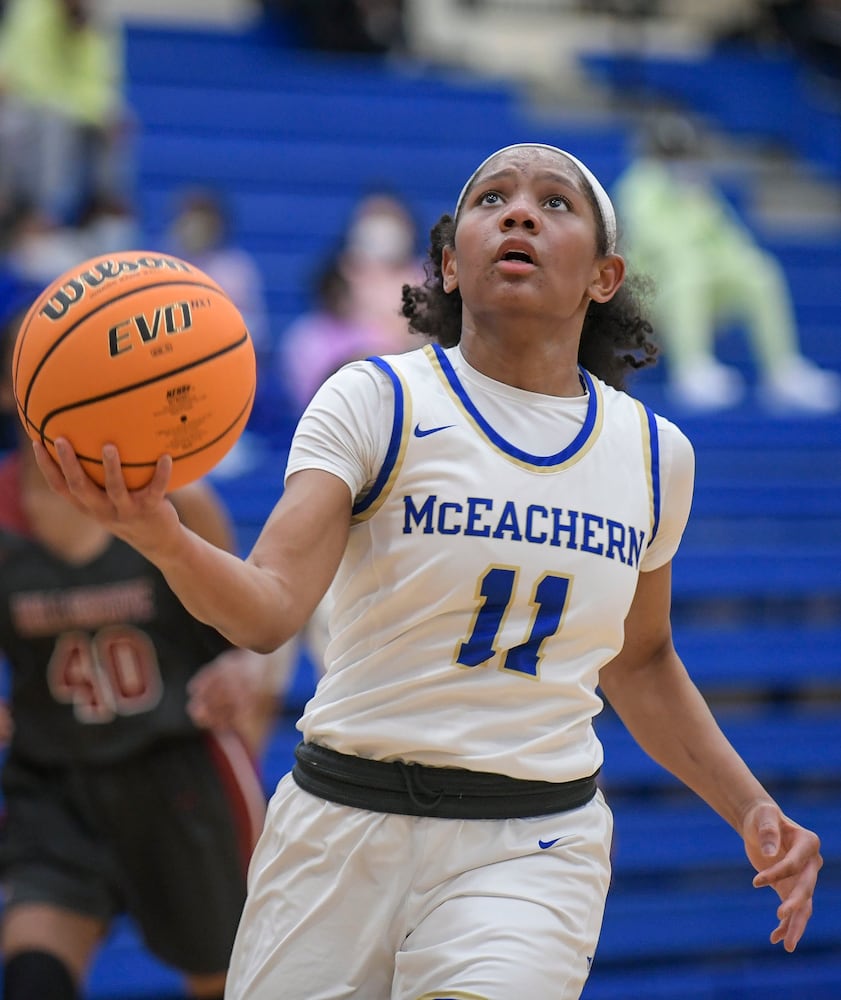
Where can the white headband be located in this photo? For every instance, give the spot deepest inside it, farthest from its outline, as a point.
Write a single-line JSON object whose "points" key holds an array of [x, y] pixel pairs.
{"points": [[602, 200]]}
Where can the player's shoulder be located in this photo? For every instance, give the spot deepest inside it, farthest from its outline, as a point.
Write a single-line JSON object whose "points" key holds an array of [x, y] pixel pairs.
{"points": [[673, 437], [667, 429], [417, 359], [672, 442], [675, 450], [375, 377]]}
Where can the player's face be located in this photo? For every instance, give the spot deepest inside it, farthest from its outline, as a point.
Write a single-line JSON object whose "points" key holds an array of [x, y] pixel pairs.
{"points": [[526, 238]]}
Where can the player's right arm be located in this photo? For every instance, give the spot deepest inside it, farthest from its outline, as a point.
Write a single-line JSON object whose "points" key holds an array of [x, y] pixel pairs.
{"points": [[257, 603], [261, 602]]}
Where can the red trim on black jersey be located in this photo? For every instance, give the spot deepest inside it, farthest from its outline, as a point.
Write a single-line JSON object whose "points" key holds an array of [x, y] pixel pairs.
{"points": [[12, 515], [241, 782]]}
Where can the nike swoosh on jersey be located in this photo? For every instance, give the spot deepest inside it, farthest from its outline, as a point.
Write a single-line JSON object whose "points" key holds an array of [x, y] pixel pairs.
{"points": [[546, 844], [422, 433]]}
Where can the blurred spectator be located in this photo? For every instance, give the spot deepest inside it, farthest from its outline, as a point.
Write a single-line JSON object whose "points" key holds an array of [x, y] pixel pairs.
{"points": [[361, 26], [65, 135], [358, 295], [34, 249], [380, 256], [708, 270], [201, 232], [321, 340]]}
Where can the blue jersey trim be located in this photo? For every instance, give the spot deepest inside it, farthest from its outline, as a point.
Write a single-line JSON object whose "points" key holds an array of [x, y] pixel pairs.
{"points": [[523, 456], [655, 470], [394, 442]]}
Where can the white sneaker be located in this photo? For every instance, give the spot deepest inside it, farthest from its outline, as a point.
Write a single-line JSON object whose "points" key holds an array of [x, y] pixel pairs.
{"points": [[800, 386], [707, 385]]}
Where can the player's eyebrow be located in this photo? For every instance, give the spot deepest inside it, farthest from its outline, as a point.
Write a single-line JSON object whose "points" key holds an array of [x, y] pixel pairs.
{"points": [[555, 176]]}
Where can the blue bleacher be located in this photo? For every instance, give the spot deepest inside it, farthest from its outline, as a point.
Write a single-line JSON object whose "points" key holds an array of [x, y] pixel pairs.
{"points": [[749, 91], [293, 138]]}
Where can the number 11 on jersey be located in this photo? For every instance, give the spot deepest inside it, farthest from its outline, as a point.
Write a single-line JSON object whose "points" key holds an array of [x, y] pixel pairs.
{"points": [[496, 590]]}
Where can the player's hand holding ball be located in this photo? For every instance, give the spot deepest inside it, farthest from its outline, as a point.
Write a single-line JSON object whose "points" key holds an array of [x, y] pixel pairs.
{"points": [[141, 350]]}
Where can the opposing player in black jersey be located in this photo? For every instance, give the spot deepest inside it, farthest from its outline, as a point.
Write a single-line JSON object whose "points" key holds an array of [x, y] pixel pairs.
{"points": [[127, 788]]}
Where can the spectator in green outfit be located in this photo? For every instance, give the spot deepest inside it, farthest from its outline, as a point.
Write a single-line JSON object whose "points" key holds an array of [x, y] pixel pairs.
{"points": [[708, 269]]}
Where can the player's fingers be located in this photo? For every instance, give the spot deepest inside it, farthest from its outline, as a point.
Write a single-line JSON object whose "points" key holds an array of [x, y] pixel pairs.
{"points": [[793, 920], [795, 909], [115, 483], [803, 856], [779, 932], [70, 465], [211, 713], [86, 493], [50, 469], [763, 828], [160, 480], [793, 933]]}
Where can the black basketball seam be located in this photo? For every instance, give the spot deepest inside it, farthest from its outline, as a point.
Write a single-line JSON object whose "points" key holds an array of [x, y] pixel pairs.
{"points": [[138, 385], [93, 312], [142, 465]]}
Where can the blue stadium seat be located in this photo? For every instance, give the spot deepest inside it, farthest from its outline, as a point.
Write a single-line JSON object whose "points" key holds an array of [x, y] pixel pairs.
{"points": [[764, 81]]}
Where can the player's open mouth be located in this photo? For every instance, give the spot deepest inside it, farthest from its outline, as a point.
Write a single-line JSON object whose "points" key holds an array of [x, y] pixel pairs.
{"points": [[516, 252], [517, 255], [515, 262]]}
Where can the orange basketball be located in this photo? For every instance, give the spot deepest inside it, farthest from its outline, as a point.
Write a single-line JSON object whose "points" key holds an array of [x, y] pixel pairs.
{"points": [[142, 350]]}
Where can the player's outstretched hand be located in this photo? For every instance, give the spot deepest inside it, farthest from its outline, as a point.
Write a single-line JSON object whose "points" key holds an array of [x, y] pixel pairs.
{"points": [[144, 518], [787, 858], [224, 693]]}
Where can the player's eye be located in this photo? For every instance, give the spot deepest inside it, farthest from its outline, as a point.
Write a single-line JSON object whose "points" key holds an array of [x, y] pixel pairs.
{"points": [[558, 201], [489, 198]]}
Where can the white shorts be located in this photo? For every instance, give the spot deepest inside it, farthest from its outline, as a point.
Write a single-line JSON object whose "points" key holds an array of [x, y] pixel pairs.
{"points": [[345, 903]]}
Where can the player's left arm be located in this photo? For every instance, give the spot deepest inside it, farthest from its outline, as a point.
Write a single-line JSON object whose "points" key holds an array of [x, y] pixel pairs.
{"points": [[652, 692]]}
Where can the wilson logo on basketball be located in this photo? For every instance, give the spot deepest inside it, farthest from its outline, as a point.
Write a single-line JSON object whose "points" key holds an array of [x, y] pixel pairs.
{"points": [[75, 288], [145, 328]]}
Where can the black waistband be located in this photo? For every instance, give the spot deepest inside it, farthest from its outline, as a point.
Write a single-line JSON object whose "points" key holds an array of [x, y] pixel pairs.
{"points": [[443, 792]]}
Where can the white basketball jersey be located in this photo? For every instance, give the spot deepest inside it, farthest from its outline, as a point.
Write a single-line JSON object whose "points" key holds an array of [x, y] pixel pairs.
{"points": [[483, 587]]}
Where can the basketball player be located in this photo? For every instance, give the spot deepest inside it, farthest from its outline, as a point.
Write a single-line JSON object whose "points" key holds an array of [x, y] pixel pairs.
{"points": [[500, 520], [126, 787]]}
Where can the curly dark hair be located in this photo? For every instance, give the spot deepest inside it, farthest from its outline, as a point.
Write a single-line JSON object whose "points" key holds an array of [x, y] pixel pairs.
{"points": [[616, 338]]}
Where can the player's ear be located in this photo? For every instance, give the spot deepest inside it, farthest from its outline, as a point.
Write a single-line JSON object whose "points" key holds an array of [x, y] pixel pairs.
{"points": [[449, 269], [610, 273]]}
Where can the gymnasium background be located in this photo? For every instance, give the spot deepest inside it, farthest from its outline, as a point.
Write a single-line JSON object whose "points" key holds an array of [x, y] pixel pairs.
{"points": [[225, 94]]}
